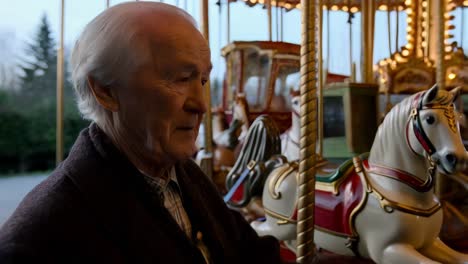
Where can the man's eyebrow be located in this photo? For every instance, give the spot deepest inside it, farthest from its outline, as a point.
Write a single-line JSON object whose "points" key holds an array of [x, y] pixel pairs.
{"points": [[188, 66]]}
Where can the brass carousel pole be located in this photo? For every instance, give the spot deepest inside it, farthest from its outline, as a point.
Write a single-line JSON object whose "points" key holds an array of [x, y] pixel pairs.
{"points": [[321, 82], [440, 71], [308, 139], [429, 29], [440, 75], [327, 64], [397, 28], [277, 22], [389, 28], [207, 164], [350, 22], [59, 127], [270, 37], [282, 21], [367, 47], [228, 22]]}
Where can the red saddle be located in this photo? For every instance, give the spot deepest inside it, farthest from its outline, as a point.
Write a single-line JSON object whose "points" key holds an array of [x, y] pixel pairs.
{"points": [[335, 205]]}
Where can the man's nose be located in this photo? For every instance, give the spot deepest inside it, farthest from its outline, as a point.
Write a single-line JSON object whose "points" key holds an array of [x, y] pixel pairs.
{"points": [[196, 101]]}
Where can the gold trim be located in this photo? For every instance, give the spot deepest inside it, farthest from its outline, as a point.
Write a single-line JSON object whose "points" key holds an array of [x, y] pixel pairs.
{"points": [[357, 162], [334, 233], [389, 206], [326, 187], [335, 185], [277, 179], [282, 220]]}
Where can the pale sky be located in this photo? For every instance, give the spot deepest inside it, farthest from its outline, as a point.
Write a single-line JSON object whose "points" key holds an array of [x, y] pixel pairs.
{"points": [[19, 21]]}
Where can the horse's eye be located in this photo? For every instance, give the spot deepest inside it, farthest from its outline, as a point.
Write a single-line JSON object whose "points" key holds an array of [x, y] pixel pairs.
{"points": [[430, 119]]}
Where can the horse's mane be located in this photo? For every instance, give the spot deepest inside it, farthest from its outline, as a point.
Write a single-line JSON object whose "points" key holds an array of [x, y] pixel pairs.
{"points": [[262, 142]]}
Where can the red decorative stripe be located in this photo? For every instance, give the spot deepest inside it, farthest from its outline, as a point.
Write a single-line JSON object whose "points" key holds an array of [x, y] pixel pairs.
{"points": [[407, 138], [294, 216], [403, 176], [423, 142]]}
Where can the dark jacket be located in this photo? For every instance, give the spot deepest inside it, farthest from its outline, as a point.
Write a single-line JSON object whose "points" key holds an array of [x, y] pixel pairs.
{"points": [[95, 208]]}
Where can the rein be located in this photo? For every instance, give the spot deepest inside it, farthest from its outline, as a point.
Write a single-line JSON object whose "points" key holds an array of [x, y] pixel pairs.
{"points": [[411, 180]]}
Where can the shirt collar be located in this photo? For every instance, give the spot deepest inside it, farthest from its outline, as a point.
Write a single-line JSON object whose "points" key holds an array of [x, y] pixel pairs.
{"points": [[160, 182]]}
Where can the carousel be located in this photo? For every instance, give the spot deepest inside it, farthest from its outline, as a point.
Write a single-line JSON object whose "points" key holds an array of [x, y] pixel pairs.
{"points": [[343, 170]]}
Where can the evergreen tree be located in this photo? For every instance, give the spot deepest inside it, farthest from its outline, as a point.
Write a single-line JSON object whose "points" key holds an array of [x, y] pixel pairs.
{"points": [[38, 79], [27, 133]]}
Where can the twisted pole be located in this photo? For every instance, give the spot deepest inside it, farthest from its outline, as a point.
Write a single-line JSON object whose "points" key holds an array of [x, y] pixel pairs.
{"points": [[308, 139]]}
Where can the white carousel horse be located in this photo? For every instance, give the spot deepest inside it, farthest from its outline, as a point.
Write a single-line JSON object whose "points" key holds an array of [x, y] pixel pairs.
{"points": [[290, 138], [383, 208], [239, 126]]}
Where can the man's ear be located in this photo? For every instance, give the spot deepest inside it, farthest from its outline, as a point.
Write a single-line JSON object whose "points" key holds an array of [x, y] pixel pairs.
{"points": [[105, 97]]}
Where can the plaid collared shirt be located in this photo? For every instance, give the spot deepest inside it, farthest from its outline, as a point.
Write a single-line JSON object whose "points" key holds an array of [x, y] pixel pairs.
{"points": [[169, 190]]}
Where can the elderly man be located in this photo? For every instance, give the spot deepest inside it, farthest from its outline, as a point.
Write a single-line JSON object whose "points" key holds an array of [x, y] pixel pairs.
{"points": [[128, 191]]}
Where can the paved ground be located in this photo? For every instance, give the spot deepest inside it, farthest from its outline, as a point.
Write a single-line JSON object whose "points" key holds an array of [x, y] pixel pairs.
{"points": [[12, 191]]}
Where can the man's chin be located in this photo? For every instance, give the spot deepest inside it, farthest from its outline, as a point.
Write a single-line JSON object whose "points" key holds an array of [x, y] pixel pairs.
{"points": [[184, 154]]}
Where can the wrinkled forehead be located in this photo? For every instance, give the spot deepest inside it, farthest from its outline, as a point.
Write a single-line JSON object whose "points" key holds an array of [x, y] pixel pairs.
{"points": [[166, 34], [179, 41]]}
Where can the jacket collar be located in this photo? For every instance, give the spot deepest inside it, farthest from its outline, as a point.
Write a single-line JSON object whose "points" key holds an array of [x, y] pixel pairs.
{"points": [[115, 190]]}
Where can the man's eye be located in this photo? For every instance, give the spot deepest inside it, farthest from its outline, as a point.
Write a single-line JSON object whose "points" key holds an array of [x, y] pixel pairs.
{"points": [[203, 82]]}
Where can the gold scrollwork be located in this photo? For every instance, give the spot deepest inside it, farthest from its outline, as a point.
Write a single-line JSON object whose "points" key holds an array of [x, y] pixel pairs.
{"points": [[278, 178]]}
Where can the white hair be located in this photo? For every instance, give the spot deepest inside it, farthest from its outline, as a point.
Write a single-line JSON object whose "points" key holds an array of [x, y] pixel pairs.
{"points": [[108, 50]]}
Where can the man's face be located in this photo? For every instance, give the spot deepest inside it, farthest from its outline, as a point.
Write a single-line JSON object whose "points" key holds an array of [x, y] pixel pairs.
{"points": [[161, 108]]}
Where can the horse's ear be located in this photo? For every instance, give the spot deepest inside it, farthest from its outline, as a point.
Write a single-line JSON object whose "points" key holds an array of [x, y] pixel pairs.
{"points": [[455, 92], [294, 93], [431, 94]]}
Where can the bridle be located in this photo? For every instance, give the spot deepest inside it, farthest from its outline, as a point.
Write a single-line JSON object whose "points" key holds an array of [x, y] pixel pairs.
{"points": [[418, 130], [420, 134]]}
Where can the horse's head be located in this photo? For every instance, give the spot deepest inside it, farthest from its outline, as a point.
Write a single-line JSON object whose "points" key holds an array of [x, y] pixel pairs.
{"points": [[240, 109], [295, 102], [435, 130]]}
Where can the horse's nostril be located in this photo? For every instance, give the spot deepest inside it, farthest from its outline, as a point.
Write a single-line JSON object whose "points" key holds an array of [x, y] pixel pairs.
{"points": [[451, 159]]}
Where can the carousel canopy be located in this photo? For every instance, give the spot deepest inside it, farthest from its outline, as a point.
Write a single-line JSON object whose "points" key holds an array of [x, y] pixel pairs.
{"points": [[343, 5]]}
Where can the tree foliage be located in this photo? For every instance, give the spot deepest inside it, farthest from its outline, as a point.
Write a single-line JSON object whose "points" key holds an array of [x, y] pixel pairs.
{"points": [[28, 115]]}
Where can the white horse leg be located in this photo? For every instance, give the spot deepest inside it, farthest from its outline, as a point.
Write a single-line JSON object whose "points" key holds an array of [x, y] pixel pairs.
{"points": [[403, 253], [441, 252]]}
